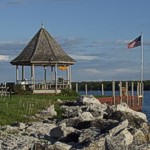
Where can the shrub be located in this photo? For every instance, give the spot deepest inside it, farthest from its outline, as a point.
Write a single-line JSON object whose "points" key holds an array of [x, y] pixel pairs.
{"points": [[68, 92]]}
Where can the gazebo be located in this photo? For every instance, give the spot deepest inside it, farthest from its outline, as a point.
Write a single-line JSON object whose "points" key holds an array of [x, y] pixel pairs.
{"points": [[43, 51]]}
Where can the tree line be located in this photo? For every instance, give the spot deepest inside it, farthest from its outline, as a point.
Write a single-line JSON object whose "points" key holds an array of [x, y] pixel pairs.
{"points": [[97, 85]]}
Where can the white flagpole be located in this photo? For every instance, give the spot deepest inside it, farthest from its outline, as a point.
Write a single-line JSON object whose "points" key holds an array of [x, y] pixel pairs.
{"points": [[142, 64], [142, 55]]}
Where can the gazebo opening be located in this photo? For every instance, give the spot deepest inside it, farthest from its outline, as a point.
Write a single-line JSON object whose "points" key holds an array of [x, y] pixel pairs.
{"points": [[48, 66]]}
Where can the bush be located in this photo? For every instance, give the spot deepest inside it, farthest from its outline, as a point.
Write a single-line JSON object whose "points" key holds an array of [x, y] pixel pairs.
{"points": [[68, 92], [19, 90]]}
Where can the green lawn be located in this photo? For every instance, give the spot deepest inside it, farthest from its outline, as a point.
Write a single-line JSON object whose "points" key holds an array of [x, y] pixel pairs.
{"points": [[15, 108]]}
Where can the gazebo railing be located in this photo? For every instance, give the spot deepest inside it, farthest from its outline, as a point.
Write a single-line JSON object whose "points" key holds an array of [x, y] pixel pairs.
{"points": [[44, 85]]}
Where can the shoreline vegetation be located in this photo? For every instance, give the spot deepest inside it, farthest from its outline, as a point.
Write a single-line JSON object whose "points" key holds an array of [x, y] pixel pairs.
{"points": [[22, 107], [96, 85], [86, 124]]}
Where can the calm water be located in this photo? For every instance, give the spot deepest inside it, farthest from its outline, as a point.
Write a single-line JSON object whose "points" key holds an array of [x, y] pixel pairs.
{"points": [[146, 101]]}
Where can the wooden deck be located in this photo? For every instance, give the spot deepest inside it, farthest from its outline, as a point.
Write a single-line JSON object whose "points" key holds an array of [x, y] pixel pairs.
{"points": [[134, 102]]}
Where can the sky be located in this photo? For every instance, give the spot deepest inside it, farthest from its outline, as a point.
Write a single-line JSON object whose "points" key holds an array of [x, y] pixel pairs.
{"points": [[93, 32]]}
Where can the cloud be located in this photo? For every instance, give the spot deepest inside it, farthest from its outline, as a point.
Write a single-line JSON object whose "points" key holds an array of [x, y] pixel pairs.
{"points": [[83, 57], [16, 2], [4, 58], [71, 41], [11, 47], [92, 71]]}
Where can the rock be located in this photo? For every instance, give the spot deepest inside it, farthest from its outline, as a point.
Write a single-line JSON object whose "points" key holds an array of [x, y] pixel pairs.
{"points": [[89, 134], [86, 116], [50, 111], [96, 144], [61, 132], [118, 128], [140, 115], [97, 110], [11, 130], [59, 146], [39, 129], [134, 122], [71, 111], [88, 125], [17, 142], [139, 137], [88, 100], [120, 141]]}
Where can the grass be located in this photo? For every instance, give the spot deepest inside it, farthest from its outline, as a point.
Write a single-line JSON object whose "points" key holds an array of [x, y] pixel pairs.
{"points": [[15, 109]]}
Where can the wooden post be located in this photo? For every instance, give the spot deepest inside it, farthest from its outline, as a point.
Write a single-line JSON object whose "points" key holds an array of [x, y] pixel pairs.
{"points": [[140, 90], [17, 74], [23, 73], [32, 76], [127, 93], [67, 75], [102, 89], [70, 77], [45, 74], [132, 94], [77, 87], [138, 93], [85, 89], [113, 92], [120, 85], [56, 78]]}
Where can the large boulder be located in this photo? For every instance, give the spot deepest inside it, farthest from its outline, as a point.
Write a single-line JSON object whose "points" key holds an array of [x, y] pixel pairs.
{"points": [[118, 128], [119, 141], [71, 111], [138, 115], [49, 112], [88, 100]]}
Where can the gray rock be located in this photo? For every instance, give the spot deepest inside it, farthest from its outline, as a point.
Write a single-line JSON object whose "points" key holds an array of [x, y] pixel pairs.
{"points": [[59, 146], [122, 125], [120, 141], [138, 115], [71, 111]]}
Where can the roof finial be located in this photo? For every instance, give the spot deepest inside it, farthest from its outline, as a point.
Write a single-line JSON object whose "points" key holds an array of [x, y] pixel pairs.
{"points": [[42, 24]]}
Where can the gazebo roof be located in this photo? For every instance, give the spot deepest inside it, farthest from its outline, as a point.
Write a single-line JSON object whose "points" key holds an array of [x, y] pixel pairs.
{"points": [[42, 50]]}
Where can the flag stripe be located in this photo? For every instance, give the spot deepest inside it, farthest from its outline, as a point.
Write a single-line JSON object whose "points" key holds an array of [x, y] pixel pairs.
{"points": [[135, 43]]}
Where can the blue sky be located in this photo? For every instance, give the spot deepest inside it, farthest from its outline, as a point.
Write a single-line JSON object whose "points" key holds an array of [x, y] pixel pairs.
{"points": [[94, 32]]}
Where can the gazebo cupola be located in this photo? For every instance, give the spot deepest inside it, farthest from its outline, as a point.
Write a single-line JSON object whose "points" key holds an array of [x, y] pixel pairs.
{"points": [[44, 51]]}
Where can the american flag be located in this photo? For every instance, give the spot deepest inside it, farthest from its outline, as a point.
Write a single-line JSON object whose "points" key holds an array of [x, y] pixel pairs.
{"points": [[135, 43]]}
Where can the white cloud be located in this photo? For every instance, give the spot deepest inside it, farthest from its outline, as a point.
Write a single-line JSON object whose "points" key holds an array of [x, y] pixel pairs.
{"points": [[92, 71], [4, 58], [83, 57]]}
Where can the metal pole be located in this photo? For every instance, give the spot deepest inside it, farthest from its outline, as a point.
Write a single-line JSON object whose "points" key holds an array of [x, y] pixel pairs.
{"points": [[142, 55]]}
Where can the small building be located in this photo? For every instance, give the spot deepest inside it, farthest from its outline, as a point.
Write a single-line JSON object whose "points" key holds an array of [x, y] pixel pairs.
{"points": [[43, 51]]}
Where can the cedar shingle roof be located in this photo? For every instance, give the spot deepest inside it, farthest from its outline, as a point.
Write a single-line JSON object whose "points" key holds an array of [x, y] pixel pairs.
{"points": [[42, 50]]}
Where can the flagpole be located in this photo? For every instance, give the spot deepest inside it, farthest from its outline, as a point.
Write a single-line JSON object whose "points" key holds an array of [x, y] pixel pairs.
{"points": [[142, 66], [142, 63]]}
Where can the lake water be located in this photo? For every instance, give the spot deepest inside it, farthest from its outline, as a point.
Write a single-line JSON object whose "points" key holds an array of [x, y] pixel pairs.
{"points": [[146, 100]]}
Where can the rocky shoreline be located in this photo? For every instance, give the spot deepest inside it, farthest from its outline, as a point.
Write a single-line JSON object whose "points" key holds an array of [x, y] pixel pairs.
{"points": [[86, 125]]}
